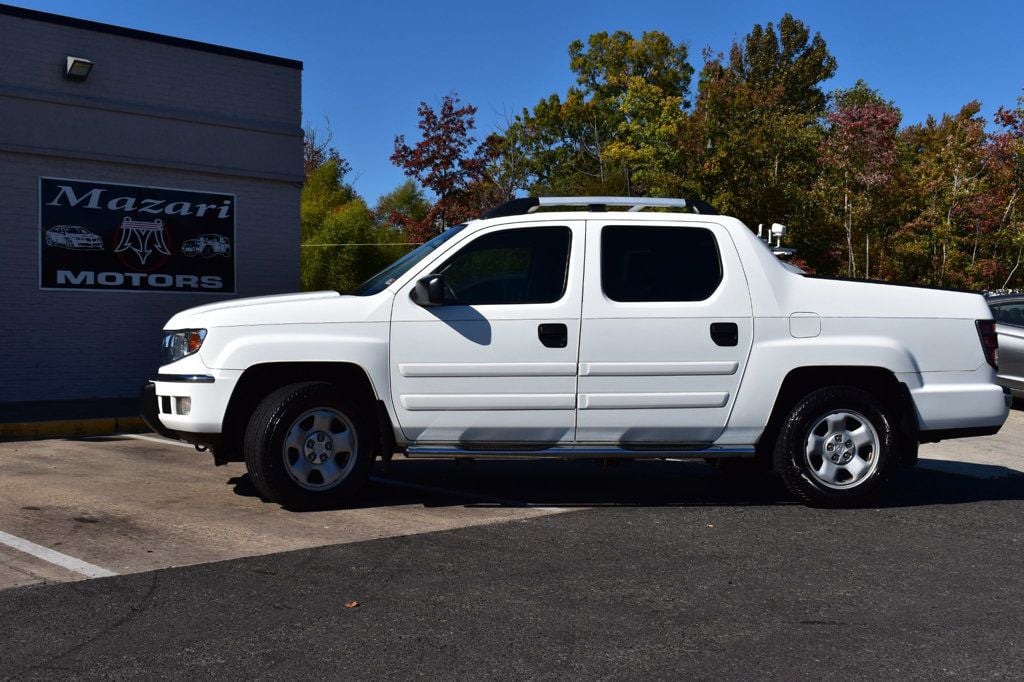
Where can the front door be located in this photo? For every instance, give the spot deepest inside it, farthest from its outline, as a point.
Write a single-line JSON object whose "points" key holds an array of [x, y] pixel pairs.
{"points": [[497, 362], [666, 332]]}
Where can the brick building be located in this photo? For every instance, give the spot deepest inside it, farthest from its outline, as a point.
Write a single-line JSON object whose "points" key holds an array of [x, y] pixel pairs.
{"points": [[140, 174]]}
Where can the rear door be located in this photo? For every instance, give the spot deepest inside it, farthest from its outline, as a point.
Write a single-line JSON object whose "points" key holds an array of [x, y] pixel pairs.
{"points": [[665, 333]]}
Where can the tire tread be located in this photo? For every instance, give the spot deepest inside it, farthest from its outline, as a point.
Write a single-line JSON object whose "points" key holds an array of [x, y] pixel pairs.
{"points": [[261, 460], [792, 436]]}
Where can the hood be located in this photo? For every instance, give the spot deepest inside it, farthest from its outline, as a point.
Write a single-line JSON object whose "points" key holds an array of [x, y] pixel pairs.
{"points": [[306, 308]]}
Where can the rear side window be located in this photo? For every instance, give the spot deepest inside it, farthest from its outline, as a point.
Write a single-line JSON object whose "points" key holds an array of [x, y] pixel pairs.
{"points": [[527, 265], [659, 263]]}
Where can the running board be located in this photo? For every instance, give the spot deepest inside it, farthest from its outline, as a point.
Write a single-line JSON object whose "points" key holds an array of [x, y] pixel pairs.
{"points": [[584, 452]]}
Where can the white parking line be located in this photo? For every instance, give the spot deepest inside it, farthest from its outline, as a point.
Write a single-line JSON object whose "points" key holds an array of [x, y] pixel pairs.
{"points": [[46, 554]]}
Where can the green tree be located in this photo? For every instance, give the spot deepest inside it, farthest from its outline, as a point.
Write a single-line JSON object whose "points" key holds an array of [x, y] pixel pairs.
{"points": [[617, 129], [403, 206], [347, 249], [324, 191], [758, 123], [948, 162], [1006, 172], [342, 241]]}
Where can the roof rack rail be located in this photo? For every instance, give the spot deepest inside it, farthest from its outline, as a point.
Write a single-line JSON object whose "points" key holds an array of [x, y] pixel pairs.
{"points": [[530, 204]]}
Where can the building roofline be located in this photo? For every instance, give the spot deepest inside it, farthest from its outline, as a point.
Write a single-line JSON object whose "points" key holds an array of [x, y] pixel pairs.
{"points": [[35, 15]]}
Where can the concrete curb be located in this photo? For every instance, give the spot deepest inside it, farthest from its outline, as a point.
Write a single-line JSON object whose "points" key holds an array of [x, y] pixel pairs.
{"points": [[70, 428]]}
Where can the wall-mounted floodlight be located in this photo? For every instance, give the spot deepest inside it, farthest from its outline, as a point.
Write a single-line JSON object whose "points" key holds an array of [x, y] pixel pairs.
{"points": [[77, 69]]}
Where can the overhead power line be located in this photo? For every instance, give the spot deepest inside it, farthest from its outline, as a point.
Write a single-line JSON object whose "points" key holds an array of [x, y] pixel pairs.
{"points": [[369, 244]]}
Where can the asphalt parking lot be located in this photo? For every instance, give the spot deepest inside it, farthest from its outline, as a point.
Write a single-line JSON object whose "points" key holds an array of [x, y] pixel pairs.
{"points": [[133, 555]]}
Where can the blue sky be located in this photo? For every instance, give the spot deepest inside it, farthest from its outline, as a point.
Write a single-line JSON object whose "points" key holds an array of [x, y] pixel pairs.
{"points": [[368, 64]]}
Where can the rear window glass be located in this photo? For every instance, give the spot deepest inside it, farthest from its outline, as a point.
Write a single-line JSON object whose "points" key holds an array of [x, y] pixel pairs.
{"points": [[659, 263]]}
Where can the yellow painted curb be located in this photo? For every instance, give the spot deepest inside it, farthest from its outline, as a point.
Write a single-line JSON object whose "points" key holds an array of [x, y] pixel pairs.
{"points": [[69, 428]]}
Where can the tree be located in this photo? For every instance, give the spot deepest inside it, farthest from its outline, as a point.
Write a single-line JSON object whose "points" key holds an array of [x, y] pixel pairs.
{"points": [[858, 158], [403, 207], [1006, 168], [441, 161], [324, 191], [605, 67], [623, 116], [785, 66], [347, 249], [501, 173], [317, 149], [343, 242], [759, 138], [757, 127], [949, 164]]}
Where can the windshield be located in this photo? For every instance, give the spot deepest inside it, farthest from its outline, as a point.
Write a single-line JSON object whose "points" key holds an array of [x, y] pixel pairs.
{"points": [[76, 230], [385, 277]]}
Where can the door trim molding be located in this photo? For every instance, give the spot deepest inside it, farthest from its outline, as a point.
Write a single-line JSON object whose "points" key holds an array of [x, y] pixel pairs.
{"points": [[487, 369]]}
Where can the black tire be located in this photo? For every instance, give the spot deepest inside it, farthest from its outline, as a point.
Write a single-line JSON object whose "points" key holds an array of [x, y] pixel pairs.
{"points": [[797, 468], [265, 454]]}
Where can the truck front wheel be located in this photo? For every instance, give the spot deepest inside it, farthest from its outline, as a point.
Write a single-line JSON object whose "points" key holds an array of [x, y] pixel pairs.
{"points": [[308, 446], [837, 447]]}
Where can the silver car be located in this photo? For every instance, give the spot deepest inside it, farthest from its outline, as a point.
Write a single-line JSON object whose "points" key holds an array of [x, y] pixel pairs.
{"points": [[73, 237], [1008, 311]]}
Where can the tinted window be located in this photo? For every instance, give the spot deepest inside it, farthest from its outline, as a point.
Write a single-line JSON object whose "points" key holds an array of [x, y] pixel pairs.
{"points": [[659, 263], [508, 267], [1009, 313]]}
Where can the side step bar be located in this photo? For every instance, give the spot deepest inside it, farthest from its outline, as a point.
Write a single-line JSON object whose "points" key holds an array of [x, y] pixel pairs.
{"points": [[583, 452]]}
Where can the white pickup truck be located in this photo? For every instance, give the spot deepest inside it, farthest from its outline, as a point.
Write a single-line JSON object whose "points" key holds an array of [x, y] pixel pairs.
{"points": [[585, 333]]}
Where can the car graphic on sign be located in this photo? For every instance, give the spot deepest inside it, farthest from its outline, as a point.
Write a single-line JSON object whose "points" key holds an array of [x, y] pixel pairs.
{"points": [[73, 237], [207, 246]]}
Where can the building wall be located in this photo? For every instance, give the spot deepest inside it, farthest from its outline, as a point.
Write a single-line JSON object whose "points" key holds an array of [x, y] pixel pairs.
{"points": [[149, 114]]}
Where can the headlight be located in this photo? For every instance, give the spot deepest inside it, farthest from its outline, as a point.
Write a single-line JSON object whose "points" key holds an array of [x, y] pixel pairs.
{"points": [[178, 344]]}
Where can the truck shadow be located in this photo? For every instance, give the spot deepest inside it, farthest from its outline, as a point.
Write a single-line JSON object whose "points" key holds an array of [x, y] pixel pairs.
{"points": [[585, 485]]}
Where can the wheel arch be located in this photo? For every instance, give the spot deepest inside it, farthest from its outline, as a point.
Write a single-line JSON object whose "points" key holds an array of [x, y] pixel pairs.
{"points": [[260, 380], [878, 381]]}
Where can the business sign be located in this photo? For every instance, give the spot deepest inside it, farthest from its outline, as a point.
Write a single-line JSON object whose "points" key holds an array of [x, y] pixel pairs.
{"points": [[99, 235]]}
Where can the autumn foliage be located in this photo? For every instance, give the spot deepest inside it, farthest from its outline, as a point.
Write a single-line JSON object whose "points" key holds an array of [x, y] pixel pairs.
{"points": [[759, 137]]}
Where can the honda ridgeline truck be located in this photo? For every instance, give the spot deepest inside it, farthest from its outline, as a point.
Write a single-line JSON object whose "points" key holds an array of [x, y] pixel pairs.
{"points": [[604, 331]]}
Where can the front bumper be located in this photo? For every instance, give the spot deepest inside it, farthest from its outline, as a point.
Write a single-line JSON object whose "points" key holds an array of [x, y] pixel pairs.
{"points": [[208, 392], [149, 410]]}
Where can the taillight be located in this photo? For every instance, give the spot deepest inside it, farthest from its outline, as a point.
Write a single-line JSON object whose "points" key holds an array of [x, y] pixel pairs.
{"points": [[989, 341]]}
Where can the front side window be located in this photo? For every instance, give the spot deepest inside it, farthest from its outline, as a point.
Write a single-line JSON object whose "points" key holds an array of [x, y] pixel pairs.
{"points": [[519, 266], [659, 263]]}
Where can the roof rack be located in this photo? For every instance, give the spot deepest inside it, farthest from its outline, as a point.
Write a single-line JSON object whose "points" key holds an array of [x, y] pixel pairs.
{"points": [[530, 204]]}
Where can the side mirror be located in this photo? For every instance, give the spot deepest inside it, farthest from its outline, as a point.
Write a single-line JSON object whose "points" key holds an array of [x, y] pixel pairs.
{"points": [[428, 291]]}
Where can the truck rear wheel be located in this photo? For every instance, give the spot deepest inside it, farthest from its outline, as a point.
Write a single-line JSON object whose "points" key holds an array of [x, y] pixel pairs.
{"points": [[837, 447], [308, 446]]}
